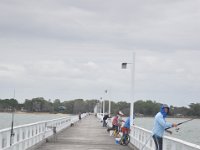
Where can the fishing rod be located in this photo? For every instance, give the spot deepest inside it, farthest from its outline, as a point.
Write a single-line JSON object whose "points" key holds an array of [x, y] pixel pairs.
{"points": [[12, 123], [181, 123]]}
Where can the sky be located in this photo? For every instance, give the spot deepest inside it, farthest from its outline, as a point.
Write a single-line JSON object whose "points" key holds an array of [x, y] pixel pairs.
{"points": [[64, 49]]}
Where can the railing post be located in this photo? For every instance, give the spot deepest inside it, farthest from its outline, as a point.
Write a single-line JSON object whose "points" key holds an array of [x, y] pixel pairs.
{"points": [[0, 141]]}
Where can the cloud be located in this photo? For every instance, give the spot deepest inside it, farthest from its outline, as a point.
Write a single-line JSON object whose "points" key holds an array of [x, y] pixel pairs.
{"points": [[136, 25], [11, 71], [68, 49]]}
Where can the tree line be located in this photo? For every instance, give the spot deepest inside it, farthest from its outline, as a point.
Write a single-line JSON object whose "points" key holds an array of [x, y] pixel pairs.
{"points": [[39, 104], [141, 107]]}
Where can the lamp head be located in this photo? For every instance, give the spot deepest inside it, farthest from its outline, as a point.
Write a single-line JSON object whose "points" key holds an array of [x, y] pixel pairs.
{"points": [[124, 65]]}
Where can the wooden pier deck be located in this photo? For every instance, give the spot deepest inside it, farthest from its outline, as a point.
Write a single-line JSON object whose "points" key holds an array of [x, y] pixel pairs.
{"points": [[87, 134]]}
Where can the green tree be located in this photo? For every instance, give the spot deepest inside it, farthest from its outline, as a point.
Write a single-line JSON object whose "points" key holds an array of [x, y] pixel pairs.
{"points": [[194, 109], [28, 105], [69, 106], [56, 104], [79, 106]]}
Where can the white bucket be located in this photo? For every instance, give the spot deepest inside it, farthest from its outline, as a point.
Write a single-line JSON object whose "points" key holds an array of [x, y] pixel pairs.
{"points": [[117, 140]]}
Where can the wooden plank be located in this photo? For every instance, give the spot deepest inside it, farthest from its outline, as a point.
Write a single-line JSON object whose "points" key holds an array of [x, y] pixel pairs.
{"points": [[87, 134]]}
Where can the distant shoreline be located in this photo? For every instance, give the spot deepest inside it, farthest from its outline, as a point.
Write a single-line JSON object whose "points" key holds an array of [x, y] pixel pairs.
{"points": [[36, 113], [169, 117]]}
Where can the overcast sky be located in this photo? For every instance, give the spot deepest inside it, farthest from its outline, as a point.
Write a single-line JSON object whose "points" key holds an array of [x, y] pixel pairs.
{"points": [[70, 49]]}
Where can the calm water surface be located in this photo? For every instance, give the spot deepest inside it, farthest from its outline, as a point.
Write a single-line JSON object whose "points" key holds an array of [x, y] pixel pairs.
{"points": [[26, 118]]}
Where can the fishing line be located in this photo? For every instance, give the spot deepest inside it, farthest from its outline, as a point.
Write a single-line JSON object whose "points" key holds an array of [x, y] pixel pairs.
{"points": [[146, 142]]}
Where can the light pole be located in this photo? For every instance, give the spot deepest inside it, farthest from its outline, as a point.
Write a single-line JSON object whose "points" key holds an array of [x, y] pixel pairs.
{"points": [[101, 105], [124, 66], [106, 91], [109, 104]]}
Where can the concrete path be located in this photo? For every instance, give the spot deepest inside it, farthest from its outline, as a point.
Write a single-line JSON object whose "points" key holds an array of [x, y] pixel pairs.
{"points": [[87, 134]]}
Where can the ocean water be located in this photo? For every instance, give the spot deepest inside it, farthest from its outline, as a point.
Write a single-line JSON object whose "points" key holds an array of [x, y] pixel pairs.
{"points": [[26, 118]]}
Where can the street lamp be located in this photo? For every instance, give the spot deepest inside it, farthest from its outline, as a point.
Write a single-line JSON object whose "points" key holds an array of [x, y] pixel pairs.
{"points": [[109, 104], [101, 105], [104, 101], [124, 66]]}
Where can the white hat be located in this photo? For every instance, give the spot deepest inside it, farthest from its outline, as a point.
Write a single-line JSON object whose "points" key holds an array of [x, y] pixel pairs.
{"points": [[120, 113]]}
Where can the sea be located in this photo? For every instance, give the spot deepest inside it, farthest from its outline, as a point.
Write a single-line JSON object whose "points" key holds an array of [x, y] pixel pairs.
{"points": [[26, 118]]}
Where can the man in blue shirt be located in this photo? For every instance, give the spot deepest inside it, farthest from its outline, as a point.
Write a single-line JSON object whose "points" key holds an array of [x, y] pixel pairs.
{"points": [[127, 123], [125, 130], [160, 125]]}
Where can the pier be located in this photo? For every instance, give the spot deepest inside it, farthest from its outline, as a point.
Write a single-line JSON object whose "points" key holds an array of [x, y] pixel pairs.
{"points": [[87, 134], [70, 133]]}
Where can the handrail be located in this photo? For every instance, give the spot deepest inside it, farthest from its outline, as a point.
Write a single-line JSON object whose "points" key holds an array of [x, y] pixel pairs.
{"points": [[31, 124], [28, 135], [140, 137]]}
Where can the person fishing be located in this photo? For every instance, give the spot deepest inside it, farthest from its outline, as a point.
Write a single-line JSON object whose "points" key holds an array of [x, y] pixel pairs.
{"points": [[116, 122], [125, 130], [106, 116], [120, 119], [160, 125], [79, 116]]}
